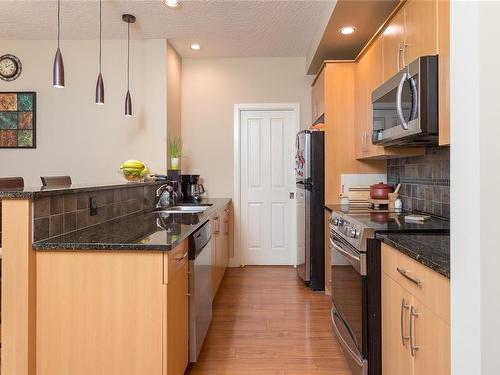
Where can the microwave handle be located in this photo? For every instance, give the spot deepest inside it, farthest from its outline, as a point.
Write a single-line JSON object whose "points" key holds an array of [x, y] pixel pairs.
{"points": [[399, 97]]}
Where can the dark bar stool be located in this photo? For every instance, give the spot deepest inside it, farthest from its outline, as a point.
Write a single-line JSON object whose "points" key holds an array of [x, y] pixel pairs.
{"points": [[11, 182], [56, 180]]}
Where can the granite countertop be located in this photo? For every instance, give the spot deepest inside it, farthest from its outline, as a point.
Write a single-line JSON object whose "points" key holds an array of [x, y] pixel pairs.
{"points": [[432, 250], [42, 191], [146, 230]]}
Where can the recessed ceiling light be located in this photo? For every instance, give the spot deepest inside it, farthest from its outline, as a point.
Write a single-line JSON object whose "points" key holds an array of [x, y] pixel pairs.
{"points": [[172, 3], [347, 30], [195, 46]]}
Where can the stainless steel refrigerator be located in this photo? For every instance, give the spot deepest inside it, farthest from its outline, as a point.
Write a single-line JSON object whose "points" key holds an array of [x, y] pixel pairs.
{"points": [[310, 198]]}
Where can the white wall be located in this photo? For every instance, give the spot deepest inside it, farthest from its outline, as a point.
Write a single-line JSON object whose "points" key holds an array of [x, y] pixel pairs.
{"points": [[77, 137], [211, 87], [475, 157]]}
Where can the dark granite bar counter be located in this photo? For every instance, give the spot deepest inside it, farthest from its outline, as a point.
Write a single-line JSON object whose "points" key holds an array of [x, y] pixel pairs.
{"points": [[44, 191], [432, 250], [145, 231]]}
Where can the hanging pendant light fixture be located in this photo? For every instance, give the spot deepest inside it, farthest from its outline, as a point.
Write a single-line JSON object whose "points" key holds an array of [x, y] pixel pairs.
{"points": [[99, 89], [58, 70], [128, 18]]}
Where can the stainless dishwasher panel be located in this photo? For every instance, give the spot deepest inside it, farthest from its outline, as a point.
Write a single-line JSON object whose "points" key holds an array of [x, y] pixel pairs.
{"points": [[200, 302]]}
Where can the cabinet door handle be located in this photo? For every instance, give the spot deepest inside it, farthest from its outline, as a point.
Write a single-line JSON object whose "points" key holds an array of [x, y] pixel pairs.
{"points": [[400, 48], [182, 257], [403, 49], [413, 315], [404, 273], [404, 306]]}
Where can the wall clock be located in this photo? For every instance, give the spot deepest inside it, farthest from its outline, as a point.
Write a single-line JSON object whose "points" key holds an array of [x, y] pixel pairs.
{"points": [[10, 67]]}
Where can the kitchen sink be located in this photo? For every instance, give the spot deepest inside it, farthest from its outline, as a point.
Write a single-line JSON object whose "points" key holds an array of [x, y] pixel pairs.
{"points": [[179, 209]]}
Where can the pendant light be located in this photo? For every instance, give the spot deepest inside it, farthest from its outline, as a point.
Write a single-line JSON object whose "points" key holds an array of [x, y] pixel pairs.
{"points": [[99, 89], [58, 70], [128, 18]]}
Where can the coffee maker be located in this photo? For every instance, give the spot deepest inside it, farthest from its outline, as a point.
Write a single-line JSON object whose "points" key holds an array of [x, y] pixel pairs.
{"points": [[191, 189]]}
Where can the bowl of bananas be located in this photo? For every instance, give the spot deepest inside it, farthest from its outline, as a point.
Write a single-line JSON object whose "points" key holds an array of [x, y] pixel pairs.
{"points": [[134, 170]]}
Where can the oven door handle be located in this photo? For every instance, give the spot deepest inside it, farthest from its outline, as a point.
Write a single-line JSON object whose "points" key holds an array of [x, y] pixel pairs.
{"points": [[358, 262], [360, 361], [399, 99]]}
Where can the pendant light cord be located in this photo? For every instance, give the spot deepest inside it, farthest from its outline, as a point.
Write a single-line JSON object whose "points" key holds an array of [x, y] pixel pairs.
{"points": [[128, 55], [58, 22], [100, 35]]}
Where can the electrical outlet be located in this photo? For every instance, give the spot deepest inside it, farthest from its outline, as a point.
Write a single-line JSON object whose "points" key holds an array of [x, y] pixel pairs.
{"points": [[93, 206]]}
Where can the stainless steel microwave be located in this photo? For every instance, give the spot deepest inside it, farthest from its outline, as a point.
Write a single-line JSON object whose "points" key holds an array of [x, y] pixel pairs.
{"points": [[405, 108]]}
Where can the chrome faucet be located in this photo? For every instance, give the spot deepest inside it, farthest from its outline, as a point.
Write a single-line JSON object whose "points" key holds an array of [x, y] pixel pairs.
{"points": [[168, 191]]}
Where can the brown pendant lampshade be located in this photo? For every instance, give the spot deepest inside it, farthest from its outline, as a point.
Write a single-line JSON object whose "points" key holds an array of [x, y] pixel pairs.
{"points": [[128, 18], [58, 70], [99, 89]]}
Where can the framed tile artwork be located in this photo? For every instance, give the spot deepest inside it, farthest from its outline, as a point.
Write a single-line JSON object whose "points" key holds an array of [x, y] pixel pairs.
{"points": [[17, 119]]}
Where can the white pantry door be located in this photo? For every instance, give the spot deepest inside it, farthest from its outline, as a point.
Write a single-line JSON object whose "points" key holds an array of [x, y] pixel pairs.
{"points": [[267, 179]]}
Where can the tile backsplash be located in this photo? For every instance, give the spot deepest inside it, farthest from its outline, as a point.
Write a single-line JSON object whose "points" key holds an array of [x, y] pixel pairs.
{"points": [[425, 181], [59, 214]]}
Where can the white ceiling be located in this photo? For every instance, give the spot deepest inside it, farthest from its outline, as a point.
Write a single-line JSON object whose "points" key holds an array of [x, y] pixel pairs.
{"points": [[224, 28]]}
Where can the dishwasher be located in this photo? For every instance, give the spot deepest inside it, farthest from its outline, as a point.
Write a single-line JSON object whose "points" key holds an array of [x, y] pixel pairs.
{"points": [[200, 288]]}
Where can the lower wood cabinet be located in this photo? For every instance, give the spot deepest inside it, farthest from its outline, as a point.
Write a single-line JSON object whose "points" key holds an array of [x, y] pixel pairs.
{"points": [[112, 312], [176, 316], [328, 255], [221, 245], [415, 329]]}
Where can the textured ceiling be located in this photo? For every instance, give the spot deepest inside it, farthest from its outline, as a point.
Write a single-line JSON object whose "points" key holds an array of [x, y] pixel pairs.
{"points": [[230, 28]]}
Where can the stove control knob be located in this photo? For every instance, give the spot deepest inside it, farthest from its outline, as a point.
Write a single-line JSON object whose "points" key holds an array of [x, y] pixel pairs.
{"points": [[353, 233], [335, 221]]}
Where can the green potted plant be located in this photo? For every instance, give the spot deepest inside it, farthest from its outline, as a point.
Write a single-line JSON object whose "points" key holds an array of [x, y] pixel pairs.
{"points": [[175, 152]]}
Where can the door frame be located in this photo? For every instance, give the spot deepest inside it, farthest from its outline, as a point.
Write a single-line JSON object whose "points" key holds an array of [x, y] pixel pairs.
{"points": [[238, 108]]}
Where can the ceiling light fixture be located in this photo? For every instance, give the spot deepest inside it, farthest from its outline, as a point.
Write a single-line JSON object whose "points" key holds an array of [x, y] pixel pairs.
{"points": [[347, 30], [99, 89], [128, 18], [172, 3], [58, 70], [195, 46]]}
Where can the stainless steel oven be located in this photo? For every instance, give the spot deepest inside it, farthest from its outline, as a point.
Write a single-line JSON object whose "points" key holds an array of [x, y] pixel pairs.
{"points": [[405, 108], [355, 285]]}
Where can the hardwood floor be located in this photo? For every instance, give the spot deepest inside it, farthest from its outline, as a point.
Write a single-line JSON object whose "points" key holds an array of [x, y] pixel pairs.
{"points": [[266, 322]]}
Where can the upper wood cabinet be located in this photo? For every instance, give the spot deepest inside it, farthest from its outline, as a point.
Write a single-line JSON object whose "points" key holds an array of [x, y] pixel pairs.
{"points": [[318, 97], [340, 130], [369, 71], [369, 75], [413, 32], [421, 29], [444, 71], [393, 41]]}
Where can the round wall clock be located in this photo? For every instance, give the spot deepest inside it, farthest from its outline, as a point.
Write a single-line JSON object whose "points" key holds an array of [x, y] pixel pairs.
{"points": [[10, 67]]}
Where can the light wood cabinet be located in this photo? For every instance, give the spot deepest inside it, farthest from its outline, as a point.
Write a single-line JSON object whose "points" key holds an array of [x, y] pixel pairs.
{"points": [[221, 245], [393, 41], [415, 318], [396, 303], [412, 32], [444, 71], [421, 29], [369, 75], [112, 312], [176, 321], [432, 337], [328, 256], [340, 131], [318, 97]]}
